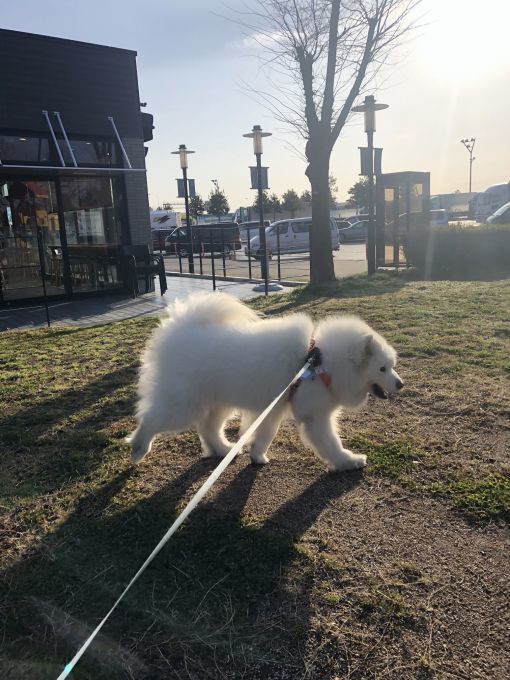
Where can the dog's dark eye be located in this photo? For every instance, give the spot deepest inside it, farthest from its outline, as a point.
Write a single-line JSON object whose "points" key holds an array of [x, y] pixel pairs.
{"points": [[383, 369]]}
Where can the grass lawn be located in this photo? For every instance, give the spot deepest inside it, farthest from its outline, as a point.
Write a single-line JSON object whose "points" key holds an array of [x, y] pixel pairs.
{"points": [[285, 572]]}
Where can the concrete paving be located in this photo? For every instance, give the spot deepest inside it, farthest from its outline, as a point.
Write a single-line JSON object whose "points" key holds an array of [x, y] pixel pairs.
{"points": [[105, 309]]}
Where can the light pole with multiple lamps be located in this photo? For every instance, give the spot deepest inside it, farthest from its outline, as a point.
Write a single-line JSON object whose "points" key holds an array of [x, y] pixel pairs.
{"points": [[183, 157], [470, 145], [369, 107], [256, 134]]}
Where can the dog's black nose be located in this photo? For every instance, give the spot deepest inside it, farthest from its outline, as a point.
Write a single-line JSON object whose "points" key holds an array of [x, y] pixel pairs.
{"points": [[399, 384]]}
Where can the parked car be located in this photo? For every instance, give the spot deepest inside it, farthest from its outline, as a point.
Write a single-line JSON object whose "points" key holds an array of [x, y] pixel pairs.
{"points": [[501, 216], [362, 217], [251, 228], [292, 235], [215, 237], [158, 238], [438, 218], [352, 231], [342, 224]]}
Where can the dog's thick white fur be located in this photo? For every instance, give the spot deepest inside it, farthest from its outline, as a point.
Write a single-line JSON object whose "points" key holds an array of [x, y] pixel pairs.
{"points": [[213, 356]]}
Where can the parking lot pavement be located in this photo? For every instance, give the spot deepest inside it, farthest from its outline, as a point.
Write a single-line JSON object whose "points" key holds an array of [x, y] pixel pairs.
{"points": [[349, 260]]}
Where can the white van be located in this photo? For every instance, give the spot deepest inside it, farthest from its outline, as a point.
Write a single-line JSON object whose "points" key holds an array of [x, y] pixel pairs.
{"points": [[293, 236]]}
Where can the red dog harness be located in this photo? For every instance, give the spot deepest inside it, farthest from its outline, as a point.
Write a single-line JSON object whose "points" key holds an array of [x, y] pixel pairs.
{"points": [[315, 370]]}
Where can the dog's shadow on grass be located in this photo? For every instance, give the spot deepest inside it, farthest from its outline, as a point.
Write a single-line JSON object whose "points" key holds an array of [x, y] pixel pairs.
{"points": [[219, 590]]}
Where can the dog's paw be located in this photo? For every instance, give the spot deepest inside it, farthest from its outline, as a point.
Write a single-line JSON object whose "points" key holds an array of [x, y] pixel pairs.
{"points": [[214, 453], [137, 454], [259, 458], [352, 461], [359, 461]]}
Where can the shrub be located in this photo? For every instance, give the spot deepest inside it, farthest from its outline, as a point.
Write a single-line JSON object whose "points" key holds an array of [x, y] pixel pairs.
{"points": [[460, 252]]}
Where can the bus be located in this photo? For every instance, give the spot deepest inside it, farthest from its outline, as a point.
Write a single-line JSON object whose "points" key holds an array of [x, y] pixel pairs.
{"points": [[487, 202]]}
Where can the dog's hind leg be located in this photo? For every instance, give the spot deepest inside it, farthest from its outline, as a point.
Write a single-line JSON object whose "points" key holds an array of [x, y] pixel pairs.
{"points": [[210, 431], [319, 433], [263, 438]]}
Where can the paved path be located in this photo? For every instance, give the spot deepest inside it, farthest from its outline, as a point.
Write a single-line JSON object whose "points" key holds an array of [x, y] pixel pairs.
{"points": [[105, 309]]}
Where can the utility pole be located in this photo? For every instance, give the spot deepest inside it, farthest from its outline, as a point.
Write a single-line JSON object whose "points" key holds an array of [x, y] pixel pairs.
{"points": [[470, 145]]}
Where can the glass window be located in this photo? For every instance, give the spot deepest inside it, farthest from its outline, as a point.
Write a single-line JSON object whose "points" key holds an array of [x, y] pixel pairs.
{"points": [[89, 211], [301, 227], [93, 232], [93, 153], [27, 207], [20, 149], [41, 151], [282, 228]]}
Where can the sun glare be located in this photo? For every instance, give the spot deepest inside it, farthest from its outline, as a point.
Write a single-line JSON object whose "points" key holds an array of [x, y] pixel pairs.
{"points": [[465, 39]]}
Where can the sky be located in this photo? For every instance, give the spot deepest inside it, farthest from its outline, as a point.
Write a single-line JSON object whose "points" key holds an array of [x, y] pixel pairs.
{"points": [[451, 81]]}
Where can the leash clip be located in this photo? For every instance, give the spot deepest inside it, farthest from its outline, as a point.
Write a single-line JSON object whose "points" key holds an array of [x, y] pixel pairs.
{"points": [[314, 357]]}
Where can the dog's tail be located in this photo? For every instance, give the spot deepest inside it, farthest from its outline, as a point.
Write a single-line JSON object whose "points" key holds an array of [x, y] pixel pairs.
{"points": [[209, 308]]}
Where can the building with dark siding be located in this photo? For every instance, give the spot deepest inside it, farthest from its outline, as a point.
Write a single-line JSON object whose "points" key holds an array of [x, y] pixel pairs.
{"points": [[73, 187]]}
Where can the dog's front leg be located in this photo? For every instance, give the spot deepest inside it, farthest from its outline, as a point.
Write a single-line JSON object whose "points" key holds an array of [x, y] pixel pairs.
{"points": [[318, 431]]}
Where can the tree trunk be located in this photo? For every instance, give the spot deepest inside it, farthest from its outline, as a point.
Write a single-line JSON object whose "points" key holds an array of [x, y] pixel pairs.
{"points": [[321, 256]]}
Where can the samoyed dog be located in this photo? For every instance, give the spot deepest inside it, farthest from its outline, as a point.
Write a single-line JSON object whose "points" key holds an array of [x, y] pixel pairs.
{"points": [[213, 356]]}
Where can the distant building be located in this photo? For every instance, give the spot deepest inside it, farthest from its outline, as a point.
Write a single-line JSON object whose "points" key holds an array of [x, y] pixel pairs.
{"points": [[73, 188]]}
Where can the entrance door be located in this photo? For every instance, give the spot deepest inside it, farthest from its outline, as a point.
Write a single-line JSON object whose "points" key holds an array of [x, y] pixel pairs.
{"points": [[30, 248]]}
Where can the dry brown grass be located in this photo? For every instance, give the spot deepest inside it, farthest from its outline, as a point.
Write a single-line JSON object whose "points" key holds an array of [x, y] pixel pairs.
{"points": [[286, 571]]}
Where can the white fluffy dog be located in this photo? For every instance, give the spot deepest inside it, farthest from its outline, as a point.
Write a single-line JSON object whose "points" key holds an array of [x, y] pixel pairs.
{"points": [[214, 356]]}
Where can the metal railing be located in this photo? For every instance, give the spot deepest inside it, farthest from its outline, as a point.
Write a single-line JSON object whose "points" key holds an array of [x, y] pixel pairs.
{"points": [[218, 254]]}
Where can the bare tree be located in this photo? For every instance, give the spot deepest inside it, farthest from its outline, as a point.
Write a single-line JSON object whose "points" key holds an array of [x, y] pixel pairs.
{"points": [[323, 53]]}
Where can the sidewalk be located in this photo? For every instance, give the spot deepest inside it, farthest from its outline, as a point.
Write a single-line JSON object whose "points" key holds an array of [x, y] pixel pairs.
{"points": [[94, 311]]}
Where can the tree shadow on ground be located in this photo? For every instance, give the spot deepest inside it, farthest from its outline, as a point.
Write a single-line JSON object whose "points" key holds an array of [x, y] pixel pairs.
{"points": [[217, 599], [381, 283], [67, 430]]}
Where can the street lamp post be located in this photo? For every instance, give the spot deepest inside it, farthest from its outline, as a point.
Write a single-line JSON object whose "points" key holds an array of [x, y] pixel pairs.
{"points": [[470, 145], [256, 134], [217, 191], [369, 107], [183, 157]]}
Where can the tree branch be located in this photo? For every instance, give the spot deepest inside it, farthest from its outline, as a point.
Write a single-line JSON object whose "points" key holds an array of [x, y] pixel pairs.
{"points": [[358, 81], [328, 100]]}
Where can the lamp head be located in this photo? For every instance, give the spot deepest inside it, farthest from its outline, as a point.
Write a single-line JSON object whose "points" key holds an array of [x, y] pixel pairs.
{"points": [[183, 155], [256, 134]]}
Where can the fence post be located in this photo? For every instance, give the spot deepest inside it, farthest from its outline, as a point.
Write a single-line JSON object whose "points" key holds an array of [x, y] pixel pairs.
{"points": [[199, 234], [249, 254], [212, 261], [278, 252], [223, 251], [40, 248], [178, 247]]}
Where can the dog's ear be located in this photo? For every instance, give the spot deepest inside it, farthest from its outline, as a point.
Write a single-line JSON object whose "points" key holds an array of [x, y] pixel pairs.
{"points": [[368, 347]]}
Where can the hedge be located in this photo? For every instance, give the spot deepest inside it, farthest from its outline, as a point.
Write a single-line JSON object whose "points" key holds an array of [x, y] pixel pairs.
{"points": [[459, 252]]}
